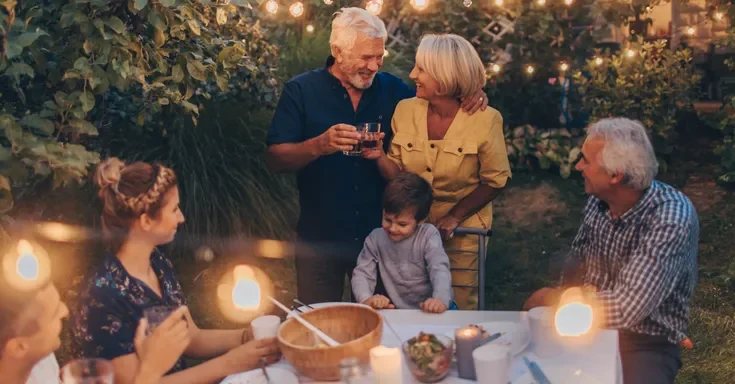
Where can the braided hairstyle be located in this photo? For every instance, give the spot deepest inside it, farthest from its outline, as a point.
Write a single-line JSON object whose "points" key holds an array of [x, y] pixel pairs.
{"points": [[129, 191]]}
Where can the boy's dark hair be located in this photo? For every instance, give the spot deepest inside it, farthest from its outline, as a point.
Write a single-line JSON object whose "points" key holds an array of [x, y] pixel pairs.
{"points": [[408, 191]]}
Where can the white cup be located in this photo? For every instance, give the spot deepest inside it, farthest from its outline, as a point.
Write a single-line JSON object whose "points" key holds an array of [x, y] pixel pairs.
{"points": [[492, 363], [546, 341], [265, 327]]}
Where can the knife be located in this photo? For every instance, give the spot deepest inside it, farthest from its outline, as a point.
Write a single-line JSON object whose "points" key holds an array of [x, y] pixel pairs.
{"points": [[488, 339], [536, 371]]}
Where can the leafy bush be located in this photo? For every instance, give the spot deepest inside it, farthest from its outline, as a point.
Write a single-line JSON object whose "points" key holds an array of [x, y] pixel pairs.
{"points": [[649, 82], [531, 148], [70, 68]]}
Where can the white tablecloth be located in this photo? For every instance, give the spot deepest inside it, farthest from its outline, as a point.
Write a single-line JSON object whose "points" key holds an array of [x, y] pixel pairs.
{"points": [[599, 359]]}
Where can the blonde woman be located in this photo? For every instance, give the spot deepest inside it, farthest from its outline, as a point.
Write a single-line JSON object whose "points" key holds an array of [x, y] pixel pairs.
{"points": [[463, 156]]}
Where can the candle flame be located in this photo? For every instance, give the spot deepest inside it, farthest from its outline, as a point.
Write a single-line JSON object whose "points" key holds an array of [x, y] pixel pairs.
{"points": [[27, 265], [246, 294]]}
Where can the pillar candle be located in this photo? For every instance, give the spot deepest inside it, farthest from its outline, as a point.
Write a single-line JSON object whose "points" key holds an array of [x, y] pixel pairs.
{"points": [[387, 365], [465, 340]]}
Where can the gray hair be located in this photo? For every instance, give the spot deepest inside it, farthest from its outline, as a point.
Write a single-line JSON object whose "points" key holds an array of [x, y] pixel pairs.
{"points": [[350, 23], [627, 150]]}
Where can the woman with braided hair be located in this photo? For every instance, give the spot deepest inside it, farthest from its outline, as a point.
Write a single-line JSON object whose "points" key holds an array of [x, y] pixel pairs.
{"points": [[141, 212]]}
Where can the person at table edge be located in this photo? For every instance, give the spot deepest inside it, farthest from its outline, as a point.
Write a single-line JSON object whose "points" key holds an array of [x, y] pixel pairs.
{"points": [[31, 318], [340, 196], [636, 248]]}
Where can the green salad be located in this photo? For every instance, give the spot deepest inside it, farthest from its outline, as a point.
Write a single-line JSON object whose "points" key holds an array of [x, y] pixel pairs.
{"points": [[428, 353]]}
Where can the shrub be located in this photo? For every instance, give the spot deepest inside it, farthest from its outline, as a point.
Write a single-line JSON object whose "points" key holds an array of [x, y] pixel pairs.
{"points": [[70, 68], [651, 86]]}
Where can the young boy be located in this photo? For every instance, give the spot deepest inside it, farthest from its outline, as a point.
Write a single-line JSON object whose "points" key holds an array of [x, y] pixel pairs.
{"points": [[406, 253]]}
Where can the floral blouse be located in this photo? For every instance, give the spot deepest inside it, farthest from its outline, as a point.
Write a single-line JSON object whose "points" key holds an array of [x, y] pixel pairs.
{"points": [[112, 303]]}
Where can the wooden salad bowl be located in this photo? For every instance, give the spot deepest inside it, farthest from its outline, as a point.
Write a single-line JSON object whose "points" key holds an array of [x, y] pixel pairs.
{"points": [[358, 329]]}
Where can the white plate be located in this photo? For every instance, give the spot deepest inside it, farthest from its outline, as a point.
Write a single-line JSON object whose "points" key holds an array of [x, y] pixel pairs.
{"points": [[516, 336], [277, 375], [560, 375], [322, 305]]}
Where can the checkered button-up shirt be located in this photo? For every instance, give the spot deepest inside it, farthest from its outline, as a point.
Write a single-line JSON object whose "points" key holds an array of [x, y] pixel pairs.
{"points": [[644, 263]]}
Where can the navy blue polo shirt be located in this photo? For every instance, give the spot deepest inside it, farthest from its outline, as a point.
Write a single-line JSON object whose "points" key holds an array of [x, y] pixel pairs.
{"points": [[340, 196]]}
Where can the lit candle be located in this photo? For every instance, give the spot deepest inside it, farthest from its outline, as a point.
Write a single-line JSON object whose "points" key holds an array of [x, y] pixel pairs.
{"points": [[387, 365], [465, 340]]}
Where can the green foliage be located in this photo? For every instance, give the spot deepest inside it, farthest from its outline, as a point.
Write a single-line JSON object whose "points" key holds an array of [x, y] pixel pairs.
{"points": [[651, 86], [64, 61], [529, 148]]}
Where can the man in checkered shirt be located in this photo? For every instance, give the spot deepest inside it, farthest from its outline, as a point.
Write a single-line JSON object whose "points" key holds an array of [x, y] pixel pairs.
{"points": [[637, 247]]}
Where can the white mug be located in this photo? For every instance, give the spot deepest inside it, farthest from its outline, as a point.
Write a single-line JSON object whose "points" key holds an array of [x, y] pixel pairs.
{"points": [[265, 327], [492, 363], [546, 341]]}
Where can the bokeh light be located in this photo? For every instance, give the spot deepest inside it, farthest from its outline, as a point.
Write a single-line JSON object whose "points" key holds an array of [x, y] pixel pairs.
{"points": [[241, 293]]}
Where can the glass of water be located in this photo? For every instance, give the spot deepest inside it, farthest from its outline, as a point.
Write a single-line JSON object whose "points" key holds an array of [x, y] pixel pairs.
{"points": [[156, 315], [88, 371]]}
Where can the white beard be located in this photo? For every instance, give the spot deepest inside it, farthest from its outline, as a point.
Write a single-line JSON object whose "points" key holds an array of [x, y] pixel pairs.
{"points": [[357, 81]]}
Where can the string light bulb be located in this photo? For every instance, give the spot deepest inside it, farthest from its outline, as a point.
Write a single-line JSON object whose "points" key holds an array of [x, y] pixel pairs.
{"points": [[563, 67], [271, 6], [630, 53], [310, 28], [296, 9], [420, 5], [495, 68], [499, 3], [598, 60], [719, 15], [467, 3], [530, 69], [541, 2], [373, 7], [568, 2], [691, 31], [328, 2]]}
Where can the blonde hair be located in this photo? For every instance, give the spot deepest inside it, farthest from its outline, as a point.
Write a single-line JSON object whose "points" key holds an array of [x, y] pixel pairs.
{"points": [[453, 62], [128, 191], [350, 23]]}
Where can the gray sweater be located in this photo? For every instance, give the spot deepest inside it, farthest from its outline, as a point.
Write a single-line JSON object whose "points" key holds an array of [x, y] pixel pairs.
{"points": [[412, 270]]}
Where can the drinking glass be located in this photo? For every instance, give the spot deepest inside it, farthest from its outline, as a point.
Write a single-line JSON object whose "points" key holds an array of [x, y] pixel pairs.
{"points": [[156, 315], [369, 133], [88, 371]]}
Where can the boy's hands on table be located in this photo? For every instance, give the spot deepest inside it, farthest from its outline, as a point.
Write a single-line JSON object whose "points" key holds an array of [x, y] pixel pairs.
{"points": [[379, 302], [433, 306]]}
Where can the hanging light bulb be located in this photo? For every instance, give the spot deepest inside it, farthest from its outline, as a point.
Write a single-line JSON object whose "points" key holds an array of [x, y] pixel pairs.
{"points": [[598, 60], [649, 9], [541, 2], [328, 2], [630, 53], [373, 7], [296, 9], [310, 28], [691, 31], [420, 5], [563, 67], [271, 6], [495, 68], [568, 2], [499, 3], [467, 3], [719, 15], [530, 69]]}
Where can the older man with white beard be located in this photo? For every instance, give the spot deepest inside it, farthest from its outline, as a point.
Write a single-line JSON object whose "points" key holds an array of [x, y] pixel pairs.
{"points": [[340, 196]]}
